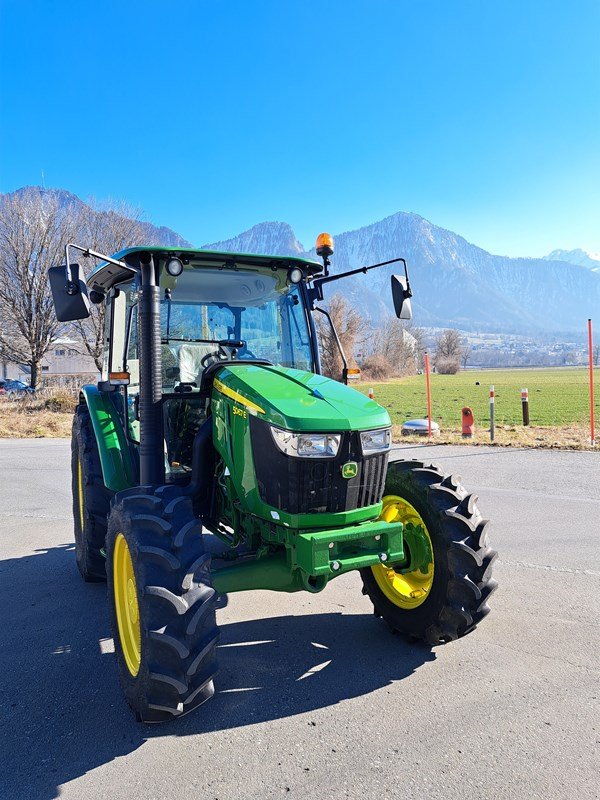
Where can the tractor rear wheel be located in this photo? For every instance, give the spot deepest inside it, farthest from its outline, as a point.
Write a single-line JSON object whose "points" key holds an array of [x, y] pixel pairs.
{"points": [[91, 498], [162, 604], [440, 593]]}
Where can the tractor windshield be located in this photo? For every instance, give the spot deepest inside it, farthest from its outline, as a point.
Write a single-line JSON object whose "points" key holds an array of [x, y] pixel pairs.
{"points": [[203, 307]]}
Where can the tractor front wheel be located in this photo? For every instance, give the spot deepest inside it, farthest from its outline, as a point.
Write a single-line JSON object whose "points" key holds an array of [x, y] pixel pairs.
{"points": [[440, 592], [162, 604]]}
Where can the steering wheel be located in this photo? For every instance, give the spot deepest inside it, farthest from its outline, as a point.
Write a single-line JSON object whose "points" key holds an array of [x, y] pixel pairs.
{"points": [[210, 358]]}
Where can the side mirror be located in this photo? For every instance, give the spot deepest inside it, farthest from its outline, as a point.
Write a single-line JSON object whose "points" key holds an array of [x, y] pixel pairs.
{"points": [[401, 295], [69, 294]]}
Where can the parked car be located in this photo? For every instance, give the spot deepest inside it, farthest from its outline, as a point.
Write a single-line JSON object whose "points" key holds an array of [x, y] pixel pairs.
{"points": [[14, 389]]}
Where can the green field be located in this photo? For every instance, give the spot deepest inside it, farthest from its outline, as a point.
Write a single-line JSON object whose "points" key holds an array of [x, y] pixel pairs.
{"points": [[557, 396]]}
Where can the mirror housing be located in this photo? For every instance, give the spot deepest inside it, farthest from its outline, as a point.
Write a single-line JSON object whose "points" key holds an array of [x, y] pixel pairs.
{"points": [[69, 293], [401, 295]]}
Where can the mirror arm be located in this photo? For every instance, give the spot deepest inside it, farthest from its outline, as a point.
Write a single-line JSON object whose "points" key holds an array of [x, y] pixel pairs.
{"points": [[316, 290], [72, 287], [338, 342]]}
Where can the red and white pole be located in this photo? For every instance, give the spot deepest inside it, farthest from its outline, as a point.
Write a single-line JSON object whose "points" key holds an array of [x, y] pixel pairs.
{"points": [[371, 394], [427, 383], [525, 406], [591, 350], [492, 408]]}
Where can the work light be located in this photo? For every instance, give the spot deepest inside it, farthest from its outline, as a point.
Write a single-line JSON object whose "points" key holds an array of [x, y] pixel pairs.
{"points": [[295, 275], [174, 267]]}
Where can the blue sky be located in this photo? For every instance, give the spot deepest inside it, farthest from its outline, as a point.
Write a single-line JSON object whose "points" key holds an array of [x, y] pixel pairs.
{"points": [[483, 117]]}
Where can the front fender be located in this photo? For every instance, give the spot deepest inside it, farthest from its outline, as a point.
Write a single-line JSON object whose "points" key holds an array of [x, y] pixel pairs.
{"points": [[113, 448]]}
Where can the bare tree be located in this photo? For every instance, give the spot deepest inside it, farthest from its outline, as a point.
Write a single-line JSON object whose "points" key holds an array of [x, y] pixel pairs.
{"points": [[107, 229], [34, 229], [596, 355], [349, 325], [448, 352], [395, 342], [466, 353]]}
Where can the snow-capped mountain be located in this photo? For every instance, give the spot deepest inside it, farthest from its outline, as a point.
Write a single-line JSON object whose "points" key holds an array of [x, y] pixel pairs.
{"points": [[583, 258], [153, 234], [276, 238]]}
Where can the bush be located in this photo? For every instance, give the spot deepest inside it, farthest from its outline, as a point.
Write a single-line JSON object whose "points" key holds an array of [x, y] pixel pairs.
{"points": [[376, 368], [447, 366], [61, 401]]}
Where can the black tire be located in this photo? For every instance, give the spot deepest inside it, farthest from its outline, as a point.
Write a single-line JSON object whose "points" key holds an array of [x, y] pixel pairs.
{"points": [[90, 538], [462, 581], [176, 601]]}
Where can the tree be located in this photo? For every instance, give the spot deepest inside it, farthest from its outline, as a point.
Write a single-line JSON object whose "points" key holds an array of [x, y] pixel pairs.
{"points": [[466, 353], [349, 326], [395, 342], [448, 352], [34, 229], [106, 229]]}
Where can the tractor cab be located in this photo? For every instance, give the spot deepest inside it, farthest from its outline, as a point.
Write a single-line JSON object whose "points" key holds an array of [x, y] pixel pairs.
{"points": [[214, 309]]}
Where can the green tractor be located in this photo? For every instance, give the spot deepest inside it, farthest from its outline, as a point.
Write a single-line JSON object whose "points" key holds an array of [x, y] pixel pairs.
{"points": [[214, 457]]}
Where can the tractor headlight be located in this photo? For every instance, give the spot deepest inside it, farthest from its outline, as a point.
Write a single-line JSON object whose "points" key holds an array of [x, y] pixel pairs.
{"points": [[307, 445], [375, 441]]}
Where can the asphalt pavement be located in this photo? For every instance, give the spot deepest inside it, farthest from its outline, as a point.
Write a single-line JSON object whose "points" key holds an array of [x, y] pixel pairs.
{"points": [[316, 698]]}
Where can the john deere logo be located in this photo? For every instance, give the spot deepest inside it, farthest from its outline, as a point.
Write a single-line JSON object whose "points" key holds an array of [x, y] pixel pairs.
{"points": [[350, 469]]}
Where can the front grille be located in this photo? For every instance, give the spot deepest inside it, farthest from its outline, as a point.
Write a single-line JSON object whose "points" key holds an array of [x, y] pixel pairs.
{"points": [[315, 485]]}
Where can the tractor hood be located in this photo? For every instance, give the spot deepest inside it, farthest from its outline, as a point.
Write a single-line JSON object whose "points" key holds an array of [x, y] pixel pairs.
{"points": [[298, 400]]}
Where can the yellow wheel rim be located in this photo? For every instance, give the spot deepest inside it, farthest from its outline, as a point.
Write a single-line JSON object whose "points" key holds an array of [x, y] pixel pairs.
{"points": [[126, 605], [80, 487], [410, 589]]}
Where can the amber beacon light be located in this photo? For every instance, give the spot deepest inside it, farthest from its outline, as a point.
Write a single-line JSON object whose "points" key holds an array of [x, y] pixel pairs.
{"points": [[324, 244], [324, 249]]}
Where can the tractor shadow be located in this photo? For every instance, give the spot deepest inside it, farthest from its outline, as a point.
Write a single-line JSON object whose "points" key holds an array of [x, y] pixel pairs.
{"points": [[62, 713]]}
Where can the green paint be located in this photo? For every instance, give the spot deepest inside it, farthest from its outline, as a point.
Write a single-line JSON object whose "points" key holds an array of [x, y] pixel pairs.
{"points": [[302, 401], [111, 440], [419, 548], [310, 559]]}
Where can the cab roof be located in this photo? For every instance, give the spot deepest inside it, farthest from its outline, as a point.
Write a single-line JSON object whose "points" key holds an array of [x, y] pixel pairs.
{"points": [[105, 275]]}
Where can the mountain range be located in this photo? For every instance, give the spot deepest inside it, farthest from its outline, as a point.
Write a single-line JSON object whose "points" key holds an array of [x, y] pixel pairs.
{"points": [[455, 283], [582, 258]]}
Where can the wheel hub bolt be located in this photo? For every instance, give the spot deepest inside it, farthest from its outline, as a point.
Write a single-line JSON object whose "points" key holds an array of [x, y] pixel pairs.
{"points": [[335, 565], [378, 537], [383, 556], [331, 545]]}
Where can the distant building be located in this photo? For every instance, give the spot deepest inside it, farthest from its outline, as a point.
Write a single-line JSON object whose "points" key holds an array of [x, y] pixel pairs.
{"points": [[62, 365]]}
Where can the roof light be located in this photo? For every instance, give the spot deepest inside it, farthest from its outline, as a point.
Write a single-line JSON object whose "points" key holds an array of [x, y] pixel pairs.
{"points": [[295, 275], [324, 244], [174, 267]]}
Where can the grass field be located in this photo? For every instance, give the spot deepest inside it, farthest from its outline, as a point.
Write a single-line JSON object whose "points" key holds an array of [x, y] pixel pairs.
{"points": [[558, 398], [558, 403]]}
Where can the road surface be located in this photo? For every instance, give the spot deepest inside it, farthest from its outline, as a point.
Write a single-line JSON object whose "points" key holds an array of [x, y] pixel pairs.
{"points": [[315, 697]]}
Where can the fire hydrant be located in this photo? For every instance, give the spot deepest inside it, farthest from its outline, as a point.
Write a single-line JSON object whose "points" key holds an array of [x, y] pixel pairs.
{"points": [[468, 423]]}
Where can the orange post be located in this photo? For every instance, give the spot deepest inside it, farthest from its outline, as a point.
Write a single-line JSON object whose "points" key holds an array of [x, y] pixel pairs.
{"points": [[428, 394], [591, 349]]}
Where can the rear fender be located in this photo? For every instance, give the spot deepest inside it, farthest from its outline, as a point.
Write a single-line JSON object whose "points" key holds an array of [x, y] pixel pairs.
{"points": [[113, 448]]}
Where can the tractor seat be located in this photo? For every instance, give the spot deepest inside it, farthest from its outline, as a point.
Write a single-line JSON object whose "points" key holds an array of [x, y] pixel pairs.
{"points": [[190, 361]]}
